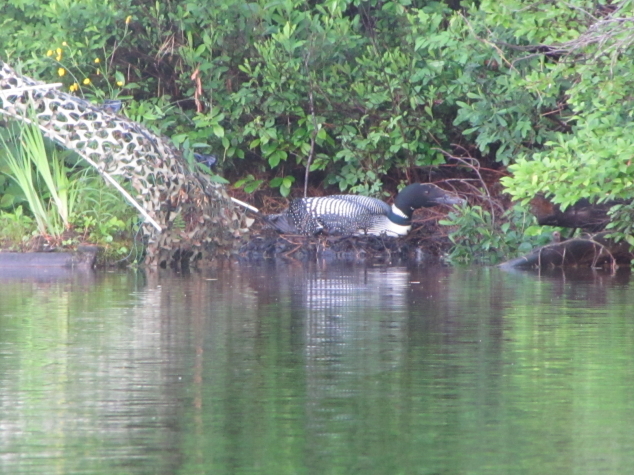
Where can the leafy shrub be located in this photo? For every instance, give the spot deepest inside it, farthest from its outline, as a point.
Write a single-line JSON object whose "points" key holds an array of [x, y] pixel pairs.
{"points": [[479, 237], [15, 226]]}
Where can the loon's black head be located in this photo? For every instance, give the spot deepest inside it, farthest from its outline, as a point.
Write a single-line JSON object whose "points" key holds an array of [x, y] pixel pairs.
{"points": [[421, 195]]}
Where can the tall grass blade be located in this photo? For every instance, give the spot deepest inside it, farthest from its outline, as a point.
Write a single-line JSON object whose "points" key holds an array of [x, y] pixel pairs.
{"points": [[32, 160], [55, 180]]}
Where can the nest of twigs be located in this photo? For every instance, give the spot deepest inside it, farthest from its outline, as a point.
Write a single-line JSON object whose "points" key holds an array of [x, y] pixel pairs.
{"points": [[426, 241]]}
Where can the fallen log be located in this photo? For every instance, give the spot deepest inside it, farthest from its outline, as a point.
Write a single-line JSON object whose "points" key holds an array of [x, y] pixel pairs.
{"points": [[592, 250]]}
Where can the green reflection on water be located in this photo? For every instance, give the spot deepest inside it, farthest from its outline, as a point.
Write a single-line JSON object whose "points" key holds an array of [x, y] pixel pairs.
{"points": [[317, 370]]}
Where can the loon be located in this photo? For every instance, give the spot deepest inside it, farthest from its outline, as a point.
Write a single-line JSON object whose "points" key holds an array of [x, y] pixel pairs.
{"points": [[359, 215]]}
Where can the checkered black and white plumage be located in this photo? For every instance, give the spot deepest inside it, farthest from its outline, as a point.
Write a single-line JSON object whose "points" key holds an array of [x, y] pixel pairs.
{"points": [[341, 214]]}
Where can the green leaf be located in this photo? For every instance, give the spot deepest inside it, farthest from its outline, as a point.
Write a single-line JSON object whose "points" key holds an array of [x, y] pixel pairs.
{"points": [[119, 78], [252, 186], [218, 130], [288, 181], [219, 179], [274, 159], [6, 201]]}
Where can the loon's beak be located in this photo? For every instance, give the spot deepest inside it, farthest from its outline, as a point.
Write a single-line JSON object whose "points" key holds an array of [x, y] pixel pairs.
{"points": [[450, 200]]}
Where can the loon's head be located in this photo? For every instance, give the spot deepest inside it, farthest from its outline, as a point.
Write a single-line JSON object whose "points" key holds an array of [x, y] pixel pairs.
{"points": [[425, 195]]}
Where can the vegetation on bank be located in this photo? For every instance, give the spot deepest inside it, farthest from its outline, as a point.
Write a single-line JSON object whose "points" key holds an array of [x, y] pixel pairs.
{"points": [[363, 96], [51, 198]]}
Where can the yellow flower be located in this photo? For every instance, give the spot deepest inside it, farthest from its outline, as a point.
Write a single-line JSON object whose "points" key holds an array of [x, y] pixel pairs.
{"points": [[61, 71], [58, 58], [86, 81], [120, 83], [98, 71], [59, 51], [64, 43], [128, 19], [73, 87], [49, 52], [97, 61]]}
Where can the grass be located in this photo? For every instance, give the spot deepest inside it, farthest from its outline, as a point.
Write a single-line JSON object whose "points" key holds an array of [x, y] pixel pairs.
{"points": [[38, 176], [64, 206]]}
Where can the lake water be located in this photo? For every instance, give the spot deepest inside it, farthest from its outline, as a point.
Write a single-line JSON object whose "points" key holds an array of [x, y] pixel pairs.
{"points": [[286, 368]]}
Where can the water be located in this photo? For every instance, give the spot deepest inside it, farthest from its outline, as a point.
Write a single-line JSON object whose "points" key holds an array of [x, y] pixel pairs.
{"points": [[289, 369]]}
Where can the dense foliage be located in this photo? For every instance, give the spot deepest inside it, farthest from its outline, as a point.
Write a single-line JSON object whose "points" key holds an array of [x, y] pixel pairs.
{"points": [[361, 94]]}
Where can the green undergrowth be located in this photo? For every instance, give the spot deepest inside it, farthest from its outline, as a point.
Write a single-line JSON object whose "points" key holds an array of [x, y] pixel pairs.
{"points": [[480, 236], [52, 200]]}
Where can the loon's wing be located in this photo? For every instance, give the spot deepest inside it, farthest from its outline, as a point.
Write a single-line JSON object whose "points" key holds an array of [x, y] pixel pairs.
{"points": [[366, 205], [345, 214]]}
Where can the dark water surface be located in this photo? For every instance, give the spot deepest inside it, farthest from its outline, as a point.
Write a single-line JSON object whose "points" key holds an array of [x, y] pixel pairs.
{"points": [[288, 369]]}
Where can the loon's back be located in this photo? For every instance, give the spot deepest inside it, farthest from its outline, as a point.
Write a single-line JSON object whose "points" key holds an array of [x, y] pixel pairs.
{"points": [[340, 214]]}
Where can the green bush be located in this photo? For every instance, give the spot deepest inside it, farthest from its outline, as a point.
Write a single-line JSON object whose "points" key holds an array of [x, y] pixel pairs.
{"points": [[479, 237]]}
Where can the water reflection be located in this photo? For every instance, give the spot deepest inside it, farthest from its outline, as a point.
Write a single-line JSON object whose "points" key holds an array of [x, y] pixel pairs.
{"points": [[284, 368], [46, 274]]}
